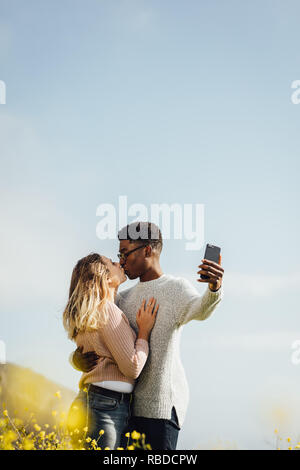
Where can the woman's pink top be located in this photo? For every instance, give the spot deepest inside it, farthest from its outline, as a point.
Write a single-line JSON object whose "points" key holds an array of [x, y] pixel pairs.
{"points": [[122, 357]]}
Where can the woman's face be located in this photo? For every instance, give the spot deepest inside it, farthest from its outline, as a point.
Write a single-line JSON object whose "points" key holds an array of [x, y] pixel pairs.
{"points": [[116, 273]]}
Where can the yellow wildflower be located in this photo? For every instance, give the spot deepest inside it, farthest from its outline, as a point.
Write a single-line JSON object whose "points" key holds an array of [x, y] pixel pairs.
{"points": [[11, 436], [135, 435], [28, 444], [18, 422]]}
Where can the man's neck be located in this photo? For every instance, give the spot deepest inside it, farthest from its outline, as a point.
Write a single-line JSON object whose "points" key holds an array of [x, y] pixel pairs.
{"points": [[151, 274]]}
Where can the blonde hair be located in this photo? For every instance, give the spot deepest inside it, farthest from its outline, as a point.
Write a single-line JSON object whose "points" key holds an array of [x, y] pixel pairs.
{"points": [[88, 295]]}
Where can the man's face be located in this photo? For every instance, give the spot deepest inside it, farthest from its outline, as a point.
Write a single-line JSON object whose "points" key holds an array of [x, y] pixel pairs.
{"points": [[135, 264]]}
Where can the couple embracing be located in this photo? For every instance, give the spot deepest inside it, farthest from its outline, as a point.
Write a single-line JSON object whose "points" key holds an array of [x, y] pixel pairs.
{"points": [[128, 342]]}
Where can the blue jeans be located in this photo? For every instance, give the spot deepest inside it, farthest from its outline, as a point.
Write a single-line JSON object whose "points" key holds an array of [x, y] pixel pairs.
{"points": [[161, 434], [101, 412]]}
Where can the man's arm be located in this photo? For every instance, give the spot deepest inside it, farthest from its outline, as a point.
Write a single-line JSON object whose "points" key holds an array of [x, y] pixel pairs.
{"points": [[85, 362], [71, 361], [193, 306]]}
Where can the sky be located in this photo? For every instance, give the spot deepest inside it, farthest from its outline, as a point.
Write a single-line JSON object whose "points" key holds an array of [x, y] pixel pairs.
{"points": [[162, 102]]}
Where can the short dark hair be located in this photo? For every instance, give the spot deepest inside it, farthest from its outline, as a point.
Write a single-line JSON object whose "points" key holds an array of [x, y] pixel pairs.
{"points": [[143, 232]]}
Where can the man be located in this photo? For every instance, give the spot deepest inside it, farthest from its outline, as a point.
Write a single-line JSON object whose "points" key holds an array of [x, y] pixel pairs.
{"points": [[161, 392]]}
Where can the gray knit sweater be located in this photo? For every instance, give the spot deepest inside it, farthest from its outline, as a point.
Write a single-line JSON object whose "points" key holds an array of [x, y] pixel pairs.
{"points": [[162, 383]]}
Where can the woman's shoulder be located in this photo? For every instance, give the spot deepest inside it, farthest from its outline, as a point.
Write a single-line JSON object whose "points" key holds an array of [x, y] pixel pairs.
{"points": [[112, 307], [115, 313]]}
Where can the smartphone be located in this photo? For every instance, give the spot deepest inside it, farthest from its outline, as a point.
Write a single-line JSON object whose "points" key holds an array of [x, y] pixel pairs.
{"points": [[212, 253]]}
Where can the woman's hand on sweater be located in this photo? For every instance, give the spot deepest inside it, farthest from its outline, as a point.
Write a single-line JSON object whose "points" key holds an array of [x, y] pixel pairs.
{"points": [[146, 317]]}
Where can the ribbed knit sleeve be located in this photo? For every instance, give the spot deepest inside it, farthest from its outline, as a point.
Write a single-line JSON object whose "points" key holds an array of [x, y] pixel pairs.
{"points": [[129, 354], [192, 305]]}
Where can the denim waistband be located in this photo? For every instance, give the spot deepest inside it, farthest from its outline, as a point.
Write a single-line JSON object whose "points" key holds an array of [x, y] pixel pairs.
{"points": [[110, 393]]}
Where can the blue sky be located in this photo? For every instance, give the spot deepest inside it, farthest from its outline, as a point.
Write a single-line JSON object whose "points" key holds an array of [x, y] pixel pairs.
{"points": [[164, 102]]}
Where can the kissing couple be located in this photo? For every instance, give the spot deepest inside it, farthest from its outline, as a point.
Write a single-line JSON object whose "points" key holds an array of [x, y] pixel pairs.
{"points": [[128, 342]]}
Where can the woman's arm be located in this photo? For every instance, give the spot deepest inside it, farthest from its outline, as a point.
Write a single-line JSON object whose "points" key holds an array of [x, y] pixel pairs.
{"points": [[119, 338]]}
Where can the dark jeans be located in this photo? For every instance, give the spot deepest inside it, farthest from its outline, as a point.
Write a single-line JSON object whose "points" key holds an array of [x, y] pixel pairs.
{"points": [[161, 434], [97, 411]]}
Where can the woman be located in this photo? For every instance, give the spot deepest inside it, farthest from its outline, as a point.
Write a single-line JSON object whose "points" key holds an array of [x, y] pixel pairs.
{"points": [[95, 323]]}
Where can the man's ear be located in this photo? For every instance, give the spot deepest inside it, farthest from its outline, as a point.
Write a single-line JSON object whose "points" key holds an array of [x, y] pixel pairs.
{"points": [[148, 251]]}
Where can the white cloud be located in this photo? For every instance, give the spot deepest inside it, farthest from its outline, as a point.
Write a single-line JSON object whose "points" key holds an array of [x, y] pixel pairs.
{"points": [[260, 285], [36, 237], [239, 285], [36, 242], [132, 14], [20, 147], [273, 341], [6, 36]]}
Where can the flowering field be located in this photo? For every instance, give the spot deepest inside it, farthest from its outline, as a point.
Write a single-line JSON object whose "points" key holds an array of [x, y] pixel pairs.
{"points": [[66, 434], [36, 417]]}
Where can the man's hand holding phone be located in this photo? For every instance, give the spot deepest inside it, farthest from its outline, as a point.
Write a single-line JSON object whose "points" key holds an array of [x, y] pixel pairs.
{"points": [[211, 270]]}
